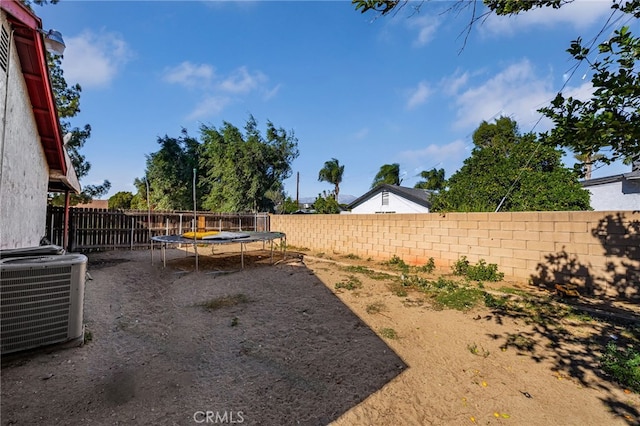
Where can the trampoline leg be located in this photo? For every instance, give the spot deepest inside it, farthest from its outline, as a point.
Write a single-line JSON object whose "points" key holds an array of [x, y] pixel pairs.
{"points": [[195, 249], [242, 255]]}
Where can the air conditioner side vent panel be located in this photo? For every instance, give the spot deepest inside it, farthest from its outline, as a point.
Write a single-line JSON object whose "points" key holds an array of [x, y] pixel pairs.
{"points": [[41, 300]]}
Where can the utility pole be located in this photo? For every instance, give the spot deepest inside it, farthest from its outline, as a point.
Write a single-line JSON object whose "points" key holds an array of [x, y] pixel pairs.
{"points": [[298, 189]]}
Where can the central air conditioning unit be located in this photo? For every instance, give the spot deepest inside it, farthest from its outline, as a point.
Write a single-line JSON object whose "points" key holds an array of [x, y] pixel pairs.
{"points": [[41, 301]]}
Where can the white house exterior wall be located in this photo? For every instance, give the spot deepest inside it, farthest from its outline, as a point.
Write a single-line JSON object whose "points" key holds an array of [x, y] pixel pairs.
{"points": [[397, 204], [610, 196], [24, 173]]}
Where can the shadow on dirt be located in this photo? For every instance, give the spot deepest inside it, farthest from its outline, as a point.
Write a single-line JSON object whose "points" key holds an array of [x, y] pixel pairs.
{"points": [[578, 355]]}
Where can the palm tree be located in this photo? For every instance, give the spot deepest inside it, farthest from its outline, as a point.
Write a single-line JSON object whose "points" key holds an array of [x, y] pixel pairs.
{"points": [[433, 180], [587, 160], [332, 173], [389, 174]]}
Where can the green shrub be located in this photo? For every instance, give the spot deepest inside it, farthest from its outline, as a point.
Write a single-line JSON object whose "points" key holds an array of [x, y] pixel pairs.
{"points": [[398, 263], [427, 267], [389, 333], [623, 365], [376, 308], [461, 298], [349, 283], [478, 272], [461, 266], [491, 301]]}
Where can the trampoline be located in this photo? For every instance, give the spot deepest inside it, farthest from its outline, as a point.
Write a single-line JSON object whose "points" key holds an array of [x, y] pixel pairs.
{"points": [[224, 237]]}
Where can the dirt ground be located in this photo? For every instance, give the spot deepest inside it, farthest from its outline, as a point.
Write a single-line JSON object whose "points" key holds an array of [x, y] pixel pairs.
{"points": [[280, 345]]}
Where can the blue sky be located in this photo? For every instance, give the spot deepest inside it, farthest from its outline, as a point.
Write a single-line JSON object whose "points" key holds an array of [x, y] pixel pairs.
{"points": [[363, 89]]}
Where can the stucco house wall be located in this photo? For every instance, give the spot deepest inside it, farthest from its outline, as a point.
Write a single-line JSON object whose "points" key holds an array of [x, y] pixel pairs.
{"points": [[620, 195], [396, 204], [24, 172]]}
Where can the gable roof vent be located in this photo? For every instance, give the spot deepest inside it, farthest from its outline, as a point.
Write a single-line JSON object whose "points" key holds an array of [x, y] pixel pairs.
{"points": [[4, 49]]}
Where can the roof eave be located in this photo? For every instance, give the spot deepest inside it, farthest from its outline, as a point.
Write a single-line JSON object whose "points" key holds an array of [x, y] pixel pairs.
{"points": [[29, 42]]}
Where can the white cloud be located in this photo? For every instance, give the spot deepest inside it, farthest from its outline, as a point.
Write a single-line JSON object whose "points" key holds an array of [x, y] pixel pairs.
{"points": [[93, 60], [270, 93], [190, 75], [242, 81], [419, 95], [515, 91], [582, 92], [218, 90], [426, 27], [577, 14], [211, 105], [451, 85], [434, 154]]}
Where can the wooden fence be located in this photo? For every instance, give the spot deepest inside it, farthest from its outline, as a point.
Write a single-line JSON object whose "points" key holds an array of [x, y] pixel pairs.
{"points": [[98, 229]]}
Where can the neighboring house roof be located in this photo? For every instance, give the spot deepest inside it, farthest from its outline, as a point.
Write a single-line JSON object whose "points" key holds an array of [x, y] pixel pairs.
{"points": [[94, 204], [29, 44], [418, 196], [634, 175]]}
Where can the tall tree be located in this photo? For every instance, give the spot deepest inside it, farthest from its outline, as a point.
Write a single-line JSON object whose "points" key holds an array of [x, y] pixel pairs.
{"points": [[433, 180], [515, 171], [121, 200], [608, 122], [170, 173], [240, 170], [332, 173], [67, 99], [586, 163], [389, 174]]}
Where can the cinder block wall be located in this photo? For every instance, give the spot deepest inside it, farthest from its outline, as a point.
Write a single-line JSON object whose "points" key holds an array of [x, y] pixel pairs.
{"points": [[597, 251]]}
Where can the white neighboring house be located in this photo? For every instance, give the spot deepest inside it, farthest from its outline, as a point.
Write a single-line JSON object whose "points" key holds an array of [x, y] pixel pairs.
{"points": [[618, 192], [33, 160], [392, 199]]}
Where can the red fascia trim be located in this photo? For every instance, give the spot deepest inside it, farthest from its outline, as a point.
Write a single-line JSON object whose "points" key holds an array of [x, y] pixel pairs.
{"points": [[25, 17], [21, 13], [51, 104]]}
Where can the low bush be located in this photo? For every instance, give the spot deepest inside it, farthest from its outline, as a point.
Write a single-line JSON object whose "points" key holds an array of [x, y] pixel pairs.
{"points": [[623, 364], [478, 272]]}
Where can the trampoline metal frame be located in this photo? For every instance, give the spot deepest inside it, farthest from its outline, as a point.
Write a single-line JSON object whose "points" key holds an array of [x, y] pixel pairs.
{"points": [[165, 240]]}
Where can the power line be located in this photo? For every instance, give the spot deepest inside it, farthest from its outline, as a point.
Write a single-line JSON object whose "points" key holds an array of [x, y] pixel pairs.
{"points": [[564, 85]]}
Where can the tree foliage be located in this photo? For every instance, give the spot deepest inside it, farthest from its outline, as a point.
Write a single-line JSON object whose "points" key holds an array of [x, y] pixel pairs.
{"points": [[332, 173], [239, 170], [170, 173], [505, 163], [389, 174], [121, 200], [608, 123], [288, 206], [433, 180], [326, 204], [67, 100]]}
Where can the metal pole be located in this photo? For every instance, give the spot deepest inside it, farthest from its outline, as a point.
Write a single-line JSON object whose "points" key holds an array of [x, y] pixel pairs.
{"points": [[195, 226], [146, 181]]}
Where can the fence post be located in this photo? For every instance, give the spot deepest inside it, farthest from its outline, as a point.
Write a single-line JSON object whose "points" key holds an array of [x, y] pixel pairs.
{"points": [[132, 223]]}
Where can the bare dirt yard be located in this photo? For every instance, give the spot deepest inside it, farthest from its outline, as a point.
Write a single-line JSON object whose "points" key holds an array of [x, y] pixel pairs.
{"points": [[311, 342]]}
